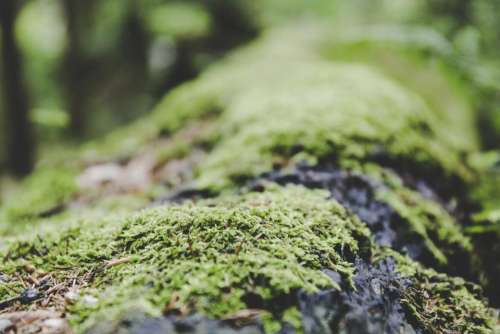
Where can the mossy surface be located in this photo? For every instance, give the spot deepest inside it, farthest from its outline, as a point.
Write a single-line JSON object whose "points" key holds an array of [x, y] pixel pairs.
{"points": [[440, 304], [414, 223], [220, 256], [327, 108], [419, 59], [269, 106], [295, 104], [40, 194], [441, 233], [211, 255]]}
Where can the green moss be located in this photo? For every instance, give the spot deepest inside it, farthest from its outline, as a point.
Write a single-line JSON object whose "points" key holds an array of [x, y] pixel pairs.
{"points": [[44, 191], [271, 104], [486, 193], [294, 318], [442, 304], [297, 104], [420, 60], [441, 234], [210, 255]]}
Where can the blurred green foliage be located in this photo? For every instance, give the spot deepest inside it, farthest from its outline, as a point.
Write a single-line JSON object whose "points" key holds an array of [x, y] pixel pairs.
{"points": [[178, 20], [40, 31], [133, 51]]}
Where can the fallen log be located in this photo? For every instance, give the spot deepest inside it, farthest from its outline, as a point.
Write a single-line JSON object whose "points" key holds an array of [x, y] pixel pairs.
{"points": [[320, 191]]}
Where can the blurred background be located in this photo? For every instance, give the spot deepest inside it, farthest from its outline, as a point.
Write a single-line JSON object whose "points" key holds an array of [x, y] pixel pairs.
{"points": [[73, 70]]}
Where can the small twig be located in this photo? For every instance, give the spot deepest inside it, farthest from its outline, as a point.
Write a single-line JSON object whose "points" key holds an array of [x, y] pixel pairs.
{"points": [[8, 302], [54, 288], [116, 262], [33, 280]]}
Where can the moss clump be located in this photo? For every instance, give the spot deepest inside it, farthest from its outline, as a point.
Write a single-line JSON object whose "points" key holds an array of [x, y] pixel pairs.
{"points": [[220, 256], [213, 257], [45, 191], [440, 232], [421, 60], [297, 104], [210, 256], [442, 304]]}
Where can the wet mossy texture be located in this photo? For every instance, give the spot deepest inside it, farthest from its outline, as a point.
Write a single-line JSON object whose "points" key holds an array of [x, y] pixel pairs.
{"points": [[300, 185]]}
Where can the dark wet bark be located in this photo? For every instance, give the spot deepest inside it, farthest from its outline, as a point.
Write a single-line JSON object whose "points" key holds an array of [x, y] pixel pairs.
{"points": [[20, 142]]}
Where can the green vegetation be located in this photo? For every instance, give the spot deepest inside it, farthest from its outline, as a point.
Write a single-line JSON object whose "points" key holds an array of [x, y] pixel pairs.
{"points": [[385, 102], [211, 255], [40, 194], [441, 234], [443, 304]]}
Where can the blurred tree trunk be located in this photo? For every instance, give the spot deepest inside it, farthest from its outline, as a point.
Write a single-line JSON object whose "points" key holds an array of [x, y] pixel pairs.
{"points": [[20, 144], [134, 41], [232, 26], [233, 22], [76, 12], [458, 11]]}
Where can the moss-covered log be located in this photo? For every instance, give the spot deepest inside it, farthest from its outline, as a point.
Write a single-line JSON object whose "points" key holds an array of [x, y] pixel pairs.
{"points": [[300, 185]]}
